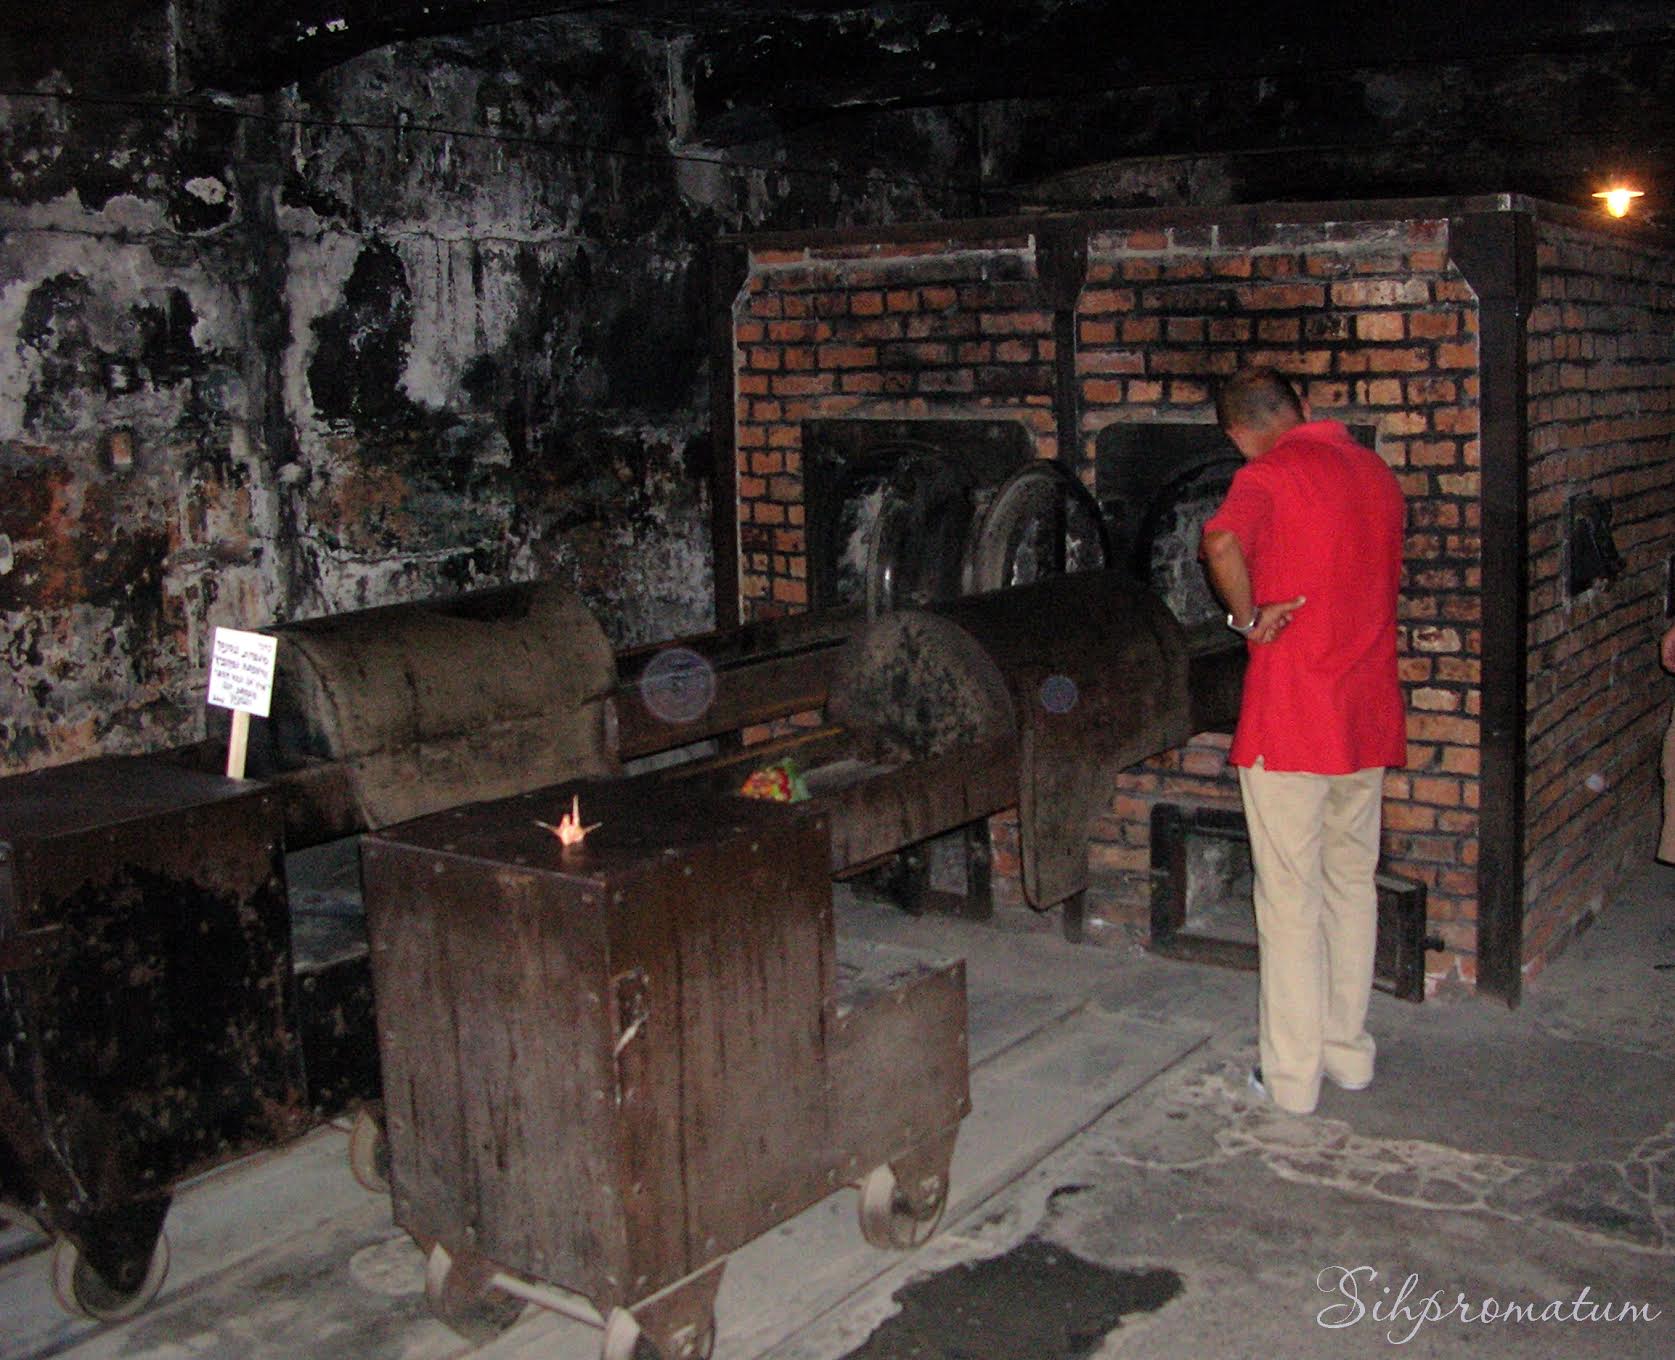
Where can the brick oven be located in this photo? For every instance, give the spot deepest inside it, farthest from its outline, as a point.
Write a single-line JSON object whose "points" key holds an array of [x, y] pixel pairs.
{"points": [[1512, 361]]}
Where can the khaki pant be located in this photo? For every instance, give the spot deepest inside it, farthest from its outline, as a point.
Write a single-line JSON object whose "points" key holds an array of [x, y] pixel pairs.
{"points": [[1666, 841], [1314, 847]]}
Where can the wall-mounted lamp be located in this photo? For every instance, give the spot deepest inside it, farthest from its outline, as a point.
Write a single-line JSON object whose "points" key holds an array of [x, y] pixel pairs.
{"points": [[1619, 199]]}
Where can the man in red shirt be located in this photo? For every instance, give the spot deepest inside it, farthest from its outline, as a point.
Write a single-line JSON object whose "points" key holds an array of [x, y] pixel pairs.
{"points": [[1306, 553], [1666, 836]]}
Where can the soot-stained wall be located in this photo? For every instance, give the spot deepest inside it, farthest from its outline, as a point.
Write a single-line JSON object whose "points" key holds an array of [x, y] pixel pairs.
{"points": [[433, 320], [133, 501]]}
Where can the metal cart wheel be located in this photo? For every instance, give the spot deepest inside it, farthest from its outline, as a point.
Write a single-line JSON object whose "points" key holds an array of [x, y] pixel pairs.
{"points": [[461, 1296], [369, 1151], [889, 1219], [81, 1291]]}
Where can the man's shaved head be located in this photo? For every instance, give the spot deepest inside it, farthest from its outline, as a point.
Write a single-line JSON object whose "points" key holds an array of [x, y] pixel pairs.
{"points": [[1256, 399]]}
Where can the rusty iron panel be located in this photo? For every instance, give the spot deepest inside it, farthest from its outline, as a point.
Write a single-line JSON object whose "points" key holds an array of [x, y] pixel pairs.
{"points": [[426, 705], [644, 979], [158, 1037], [753, 934], [885, 808], [899, 1069], [495, 1049], [1097, 667], [697, 687]]}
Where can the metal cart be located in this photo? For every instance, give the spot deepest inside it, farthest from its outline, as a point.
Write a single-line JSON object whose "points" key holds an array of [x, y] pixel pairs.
{"points": [[144, 1007], [607, 1066]]}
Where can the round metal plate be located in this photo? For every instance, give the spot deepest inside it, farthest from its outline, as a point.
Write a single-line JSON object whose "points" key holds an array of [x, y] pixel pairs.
{"points": [[1042, 522], [919, 539]]}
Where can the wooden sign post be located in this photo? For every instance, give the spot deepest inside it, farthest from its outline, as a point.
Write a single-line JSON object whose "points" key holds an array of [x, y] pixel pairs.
{"points": [[241, 678]]}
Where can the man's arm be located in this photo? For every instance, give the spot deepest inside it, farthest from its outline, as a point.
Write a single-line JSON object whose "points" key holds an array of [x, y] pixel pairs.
{"points": [[1225, 561]]}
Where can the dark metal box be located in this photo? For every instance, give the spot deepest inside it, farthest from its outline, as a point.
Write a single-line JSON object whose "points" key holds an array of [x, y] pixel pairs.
{"points": [[145, 1027], [607, 1066]]}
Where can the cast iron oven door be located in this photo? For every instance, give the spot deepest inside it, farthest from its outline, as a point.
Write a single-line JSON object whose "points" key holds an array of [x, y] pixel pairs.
{"points": [[1042, 522], [918, 540], [939, 535], [850, 465]]}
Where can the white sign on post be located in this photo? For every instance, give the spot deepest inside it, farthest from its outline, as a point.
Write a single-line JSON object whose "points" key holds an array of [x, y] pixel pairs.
{"points": [[241, 678], [241, 671]]}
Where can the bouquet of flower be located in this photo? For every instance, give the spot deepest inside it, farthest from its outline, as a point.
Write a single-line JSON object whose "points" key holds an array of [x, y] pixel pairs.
{"points": [[780, 782]]}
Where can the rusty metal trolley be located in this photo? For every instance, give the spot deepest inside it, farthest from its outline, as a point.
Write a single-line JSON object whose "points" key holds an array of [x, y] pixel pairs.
{"points": [[608, 1066], [144, 1014]]}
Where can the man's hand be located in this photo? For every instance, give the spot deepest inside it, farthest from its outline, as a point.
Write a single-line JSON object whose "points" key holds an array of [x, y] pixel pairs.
{"points": [[1666, 650], [1271, 619], [1225, 561]]}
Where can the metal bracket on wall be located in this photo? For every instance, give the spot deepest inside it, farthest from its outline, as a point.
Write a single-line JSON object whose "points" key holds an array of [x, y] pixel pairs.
{"points": [[1590, 550]]}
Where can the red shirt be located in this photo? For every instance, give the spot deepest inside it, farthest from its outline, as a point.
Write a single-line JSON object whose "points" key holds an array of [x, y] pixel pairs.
{"points": [[1318, 515]]}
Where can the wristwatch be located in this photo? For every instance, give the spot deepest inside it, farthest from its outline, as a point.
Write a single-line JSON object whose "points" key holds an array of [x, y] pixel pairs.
{"points": [[1242, 628]]}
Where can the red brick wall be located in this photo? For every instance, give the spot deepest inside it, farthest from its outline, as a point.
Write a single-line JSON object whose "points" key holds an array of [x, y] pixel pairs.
{"points": [[1379, 330], [1601, 349], [888, 332]]}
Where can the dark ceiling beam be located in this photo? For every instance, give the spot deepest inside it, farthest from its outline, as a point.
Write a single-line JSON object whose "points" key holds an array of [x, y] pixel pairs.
{"points": [[1556, 127], [747, 81], [792, 61], [234, 46], [115, 47]]}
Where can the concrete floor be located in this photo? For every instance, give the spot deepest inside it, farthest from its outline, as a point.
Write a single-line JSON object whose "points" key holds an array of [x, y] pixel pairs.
{"points": [[1118, 1191]]}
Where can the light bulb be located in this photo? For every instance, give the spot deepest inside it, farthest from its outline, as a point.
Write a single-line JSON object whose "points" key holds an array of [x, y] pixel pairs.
{"points": [[1619, 199]]}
